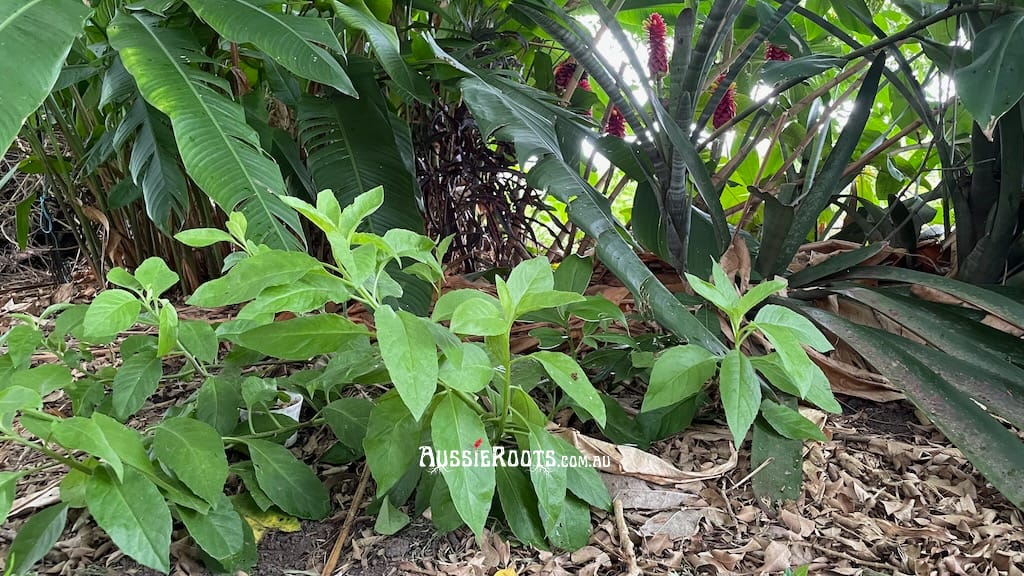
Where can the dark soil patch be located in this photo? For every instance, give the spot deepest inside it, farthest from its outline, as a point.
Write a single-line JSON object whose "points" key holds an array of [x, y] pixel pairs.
{"points": [[896, 418]]}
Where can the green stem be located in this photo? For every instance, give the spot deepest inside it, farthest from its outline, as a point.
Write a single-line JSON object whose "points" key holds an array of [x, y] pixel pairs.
{"points": [[69, 462]]}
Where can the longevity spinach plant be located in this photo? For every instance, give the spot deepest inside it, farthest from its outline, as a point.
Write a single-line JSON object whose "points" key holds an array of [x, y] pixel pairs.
{"points": [[682, 372]]}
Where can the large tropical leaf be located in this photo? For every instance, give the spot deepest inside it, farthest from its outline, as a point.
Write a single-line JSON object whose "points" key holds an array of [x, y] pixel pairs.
{"points": [[352, 148], [991, 85], [154, 162], [220, 151], [288, 39], [32, 59]]}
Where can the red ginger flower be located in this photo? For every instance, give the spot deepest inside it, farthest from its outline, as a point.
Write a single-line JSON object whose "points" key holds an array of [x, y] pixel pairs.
{"points": [[615, 123], [563, 74], [657, 59], [726, 109], [776, 53]]}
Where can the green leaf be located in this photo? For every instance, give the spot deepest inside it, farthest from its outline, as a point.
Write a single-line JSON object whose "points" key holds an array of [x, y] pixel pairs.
{"points": [[202, 237], [17, 398], [597, 309], [757, 294], [573, 274], [288, 482], [991, 84], [390, 519], [133, 513], [550, 479], [466, 367], [35, 538], [450, 301], [218, 402], [790, 423], [519, 503], [43, 379], [301, 338], [121, 277], [308, 293], [155, 276], [292, 41], [803, 329], [135, 381], [819, 391], [250, 276], [220, 151], [194, 451], [479, 317], [352, 158], [77, 433], [111, 312], [456, 428], [679, 373], [571, 529], [384, 40], [711, 293], [572, 379], [741, 394], [777, 72], [32, 64], [392, 441], [530, 276], [198, 337], [780, 462], [22, 219], [8, 485], [220, 532], [348, 419], [22, 341], [534, 301], [410, 355], [168, 336]]}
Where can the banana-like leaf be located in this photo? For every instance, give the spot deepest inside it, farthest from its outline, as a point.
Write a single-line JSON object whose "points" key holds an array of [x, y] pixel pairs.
{"points": [[292, 41], [220, 151], [36, 36], [154, 163], [352, 148], [944, 388]]}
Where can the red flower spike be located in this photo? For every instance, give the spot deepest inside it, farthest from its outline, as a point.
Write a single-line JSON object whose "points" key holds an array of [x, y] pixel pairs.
{"points": [[776, 53], [615, 123], [726, 109], [563, 74], [657, 54]]}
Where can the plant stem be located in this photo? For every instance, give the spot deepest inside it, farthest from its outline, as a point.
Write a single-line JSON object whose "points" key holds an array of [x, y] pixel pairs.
{"points": [[69, 462]]}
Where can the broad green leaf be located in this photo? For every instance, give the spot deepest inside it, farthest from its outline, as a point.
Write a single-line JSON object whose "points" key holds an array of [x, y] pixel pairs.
{"points": [[550, 479], [390, 519], [443, 514], [777, 72], [22, 341], [77, 433], [288, 482], [519, 503], [450, 301], [710, 293], [220, 532], [127, 442], [194, 451], [790, 423], [530, 276], [572, 379], [155, 276], [43, 379], [392, 441], [573, 274], [571, 529], [779, 460], [8, 484], [307, 293], [348, 419], [36, 537], [362, 207], [111, 312], [991, 84], [250, 276], [121, 277], [757, 294], [679, 373], [133, 513], [534, 301], [479, 317], [466, 367], [384, 39], [410, 355], [293, 41], [218, 401], [804, 330], [597, 309], [455, 428], [741, 394], [584, 481], [168, 336], [797, 364], [136, 379], [301, 338], [31, 63], [198, 337], [202, 237], [220, 151], [819, 392]]}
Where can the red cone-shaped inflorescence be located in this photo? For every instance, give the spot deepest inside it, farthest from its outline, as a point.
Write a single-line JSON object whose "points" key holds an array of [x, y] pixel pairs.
{"points": [[776, 53], [615, 123], [726, 109], [657, 54], [563, 74]]}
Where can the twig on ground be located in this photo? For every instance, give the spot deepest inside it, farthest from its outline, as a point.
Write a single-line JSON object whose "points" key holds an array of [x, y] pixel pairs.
{"points": [[860, 562], [625, 543], [353, 510]]}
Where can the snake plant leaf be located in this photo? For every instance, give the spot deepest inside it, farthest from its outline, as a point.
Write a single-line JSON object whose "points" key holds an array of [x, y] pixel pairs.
{"points": [[992, 84], [220, 151], [31, 62], [292, 41]]}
